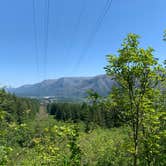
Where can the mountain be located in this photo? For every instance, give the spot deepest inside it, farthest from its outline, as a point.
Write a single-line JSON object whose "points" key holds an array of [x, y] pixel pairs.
{"points": [[66, 87]]}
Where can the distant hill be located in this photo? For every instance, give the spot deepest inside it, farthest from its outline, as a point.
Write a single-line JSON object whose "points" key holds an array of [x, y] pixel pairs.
{"points": [[66, 87]]}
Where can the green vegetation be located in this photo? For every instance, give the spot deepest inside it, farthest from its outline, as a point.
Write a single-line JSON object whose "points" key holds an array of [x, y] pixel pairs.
{"points": [[14, 113], [125, 128], [92, 114], [138, 74]]}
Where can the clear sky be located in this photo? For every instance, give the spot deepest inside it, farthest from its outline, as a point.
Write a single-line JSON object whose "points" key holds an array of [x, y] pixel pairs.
{"points": [[70, 25]]}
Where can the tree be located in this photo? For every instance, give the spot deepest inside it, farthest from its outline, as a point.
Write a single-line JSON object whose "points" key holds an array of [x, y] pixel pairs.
{"points": [[164, 36], [138, 73], [94, 107]]}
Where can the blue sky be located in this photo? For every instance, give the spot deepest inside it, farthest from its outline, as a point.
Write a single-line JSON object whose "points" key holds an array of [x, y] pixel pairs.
{"points": [[70, 25]]}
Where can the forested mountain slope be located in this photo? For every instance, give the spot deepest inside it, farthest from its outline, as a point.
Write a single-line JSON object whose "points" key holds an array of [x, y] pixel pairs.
{"points": [[67, 87]]}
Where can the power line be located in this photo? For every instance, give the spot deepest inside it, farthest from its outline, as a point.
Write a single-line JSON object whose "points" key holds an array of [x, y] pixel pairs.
{"points": [[97, 26], [75, 32], [46, 27], [77, 24], [36, 41], [35, 36]]}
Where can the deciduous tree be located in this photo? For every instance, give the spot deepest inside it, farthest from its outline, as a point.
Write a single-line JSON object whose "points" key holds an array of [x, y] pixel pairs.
{"points": [[138, 74]]}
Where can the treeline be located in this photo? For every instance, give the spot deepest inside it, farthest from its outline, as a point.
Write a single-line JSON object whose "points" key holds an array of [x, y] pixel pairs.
{"points": [[138, 102], [17, 109], [15, 114], [135, 111], [92, 114]]}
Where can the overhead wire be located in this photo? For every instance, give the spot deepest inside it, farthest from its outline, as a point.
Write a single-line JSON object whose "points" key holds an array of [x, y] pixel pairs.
{"points": [[77, 24], [45, 40], [34, 6], [35, 36], [75, 33], [93, 34], [46, 33]]}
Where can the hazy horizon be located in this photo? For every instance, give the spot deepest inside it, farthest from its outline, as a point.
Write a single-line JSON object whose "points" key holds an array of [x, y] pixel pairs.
{"points": [[32, 83]]}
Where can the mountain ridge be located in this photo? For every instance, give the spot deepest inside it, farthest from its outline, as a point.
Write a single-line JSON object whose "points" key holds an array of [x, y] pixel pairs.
{"points": [[66, 87]]}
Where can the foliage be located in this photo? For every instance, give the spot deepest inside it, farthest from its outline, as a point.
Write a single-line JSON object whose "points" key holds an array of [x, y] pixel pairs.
{"points": [[138, 74], [105, 147], [4, 152], [164, 36], [56, 145], [125, 128], [94, 113], [13, 112]]}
